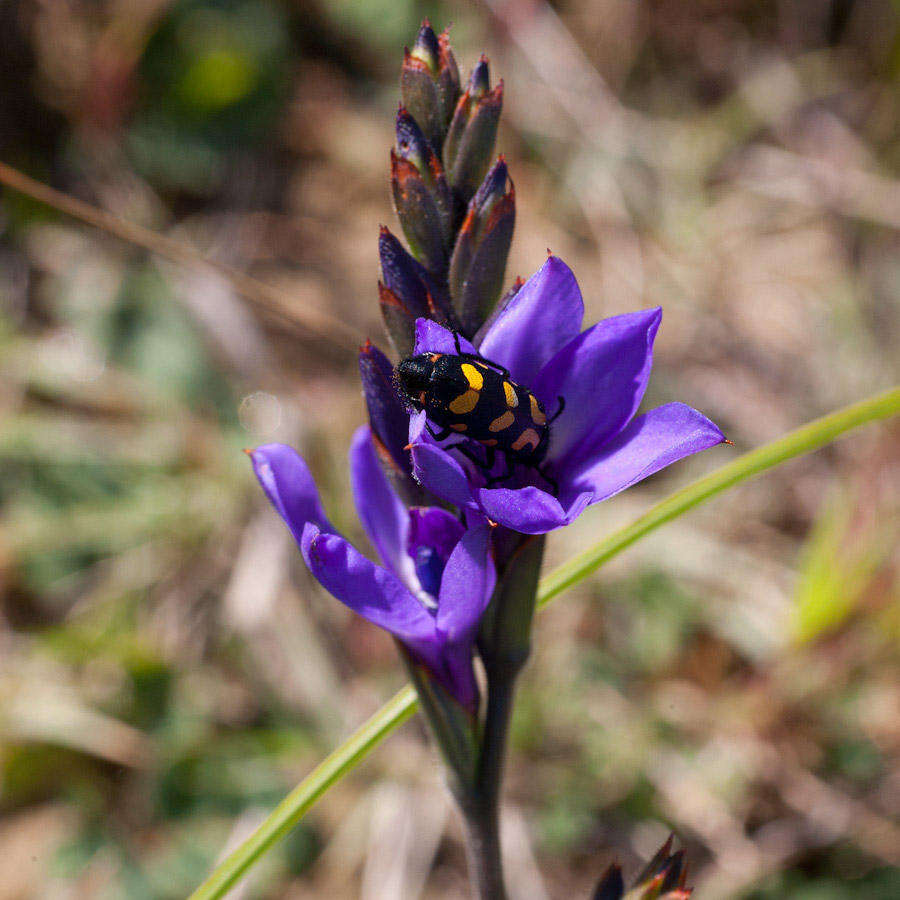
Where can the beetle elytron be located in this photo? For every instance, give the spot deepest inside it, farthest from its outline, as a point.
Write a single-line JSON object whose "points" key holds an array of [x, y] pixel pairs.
{"points": [[470, 396]]}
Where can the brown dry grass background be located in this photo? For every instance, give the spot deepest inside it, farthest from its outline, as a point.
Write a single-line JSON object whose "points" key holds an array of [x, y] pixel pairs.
{"points": [[167, 668]]}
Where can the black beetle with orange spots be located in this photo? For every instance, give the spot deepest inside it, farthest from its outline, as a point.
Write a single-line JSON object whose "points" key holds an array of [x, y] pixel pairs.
{"points": [[470, 396]]}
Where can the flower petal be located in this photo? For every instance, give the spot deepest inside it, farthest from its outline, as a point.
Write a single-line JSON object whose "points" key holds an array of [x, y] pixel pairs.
{"points": [[649, 443], [602, 376], [380, 510], [435, 529], [539, 320], [467, 585], [458, 675], [528, 510], [434, 338], [437, 471], [288, 484], [376, 594]]}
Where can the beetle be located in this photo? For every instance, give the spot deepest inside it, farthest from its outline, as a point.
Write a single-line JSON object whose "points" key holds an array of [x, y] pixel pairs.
{"points": [[470, 396]]}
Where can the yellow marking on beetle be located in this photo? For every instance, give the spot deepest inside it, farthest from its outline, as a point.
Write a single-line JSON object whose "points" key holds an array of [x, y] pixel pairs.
{"points": [[465, 403], [512, 401], [537, 414], [528, 436], [459, 426], [473, 376], [502, 421]]}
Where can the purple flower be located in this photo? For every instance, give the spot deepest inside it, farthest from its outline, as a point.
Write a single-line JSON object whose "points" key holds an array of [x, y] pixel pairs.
{"points": [[598, 446], [437, 577]]}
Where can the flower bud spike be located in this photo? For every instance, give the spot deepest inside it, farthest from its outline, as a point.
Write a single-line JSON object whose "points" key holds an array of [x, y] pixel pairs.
{"points": [[429, 83], [422, 196], [469, 145], [478, 264]]}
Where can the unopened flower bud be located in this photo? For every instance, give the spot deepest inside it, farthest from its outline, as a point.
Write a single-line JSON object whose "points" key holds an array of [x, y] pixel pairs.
{"points": [[429, 83], [422, 196], [389, 420], [478, 264], [407, 293], [469, 145]]}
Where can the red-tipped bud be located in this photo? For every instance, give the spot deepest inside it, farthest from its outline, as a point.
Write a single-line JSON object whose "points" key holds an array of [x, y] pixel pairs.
{"points": [[469, 145], [429, 83], [422, 197], [478, 263]]}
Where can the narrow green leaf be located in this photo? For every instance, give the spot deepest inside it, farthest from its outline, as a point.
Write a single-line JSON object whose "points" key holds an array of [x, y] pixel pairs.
{"points": [[796, 443], [397, 710], [292, 809]]}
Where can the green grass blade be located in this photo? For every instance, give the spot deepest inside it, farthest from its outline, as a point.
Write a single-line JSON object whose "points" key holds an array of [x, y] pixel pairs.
{"points": [[292, 809], [796, 443], [397, 710]]}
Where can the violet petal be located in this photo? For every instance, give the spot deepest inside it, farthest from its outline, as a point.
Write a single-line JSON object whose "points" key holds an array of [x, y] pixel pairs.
{"points": [[540, 320], [467, 585], [602, 376], [528, 510], [380, 510], [434, 338], [369, 590], [441, 474], [649, 443], [289, 485]]}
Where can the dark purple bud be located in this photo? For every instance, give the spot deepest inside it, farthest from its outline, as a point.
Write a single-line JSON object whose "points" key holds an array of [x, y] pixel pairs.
{"points": [[470, 140], [480, 79], [402, 274], [422, 197], [611, 886], [478, 264], [388, 419], [408, 293], [429, 83]]}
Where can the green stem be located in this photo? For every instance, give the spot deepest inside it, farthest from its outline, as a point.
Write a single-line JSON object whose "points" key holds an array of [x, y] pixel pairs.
{"points": [[399, 708]]}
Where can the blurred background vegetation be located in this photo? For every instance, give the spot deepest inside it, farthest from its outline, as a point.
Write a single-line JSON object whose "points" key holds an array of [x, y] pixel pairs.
{"points": [[167, 668]]}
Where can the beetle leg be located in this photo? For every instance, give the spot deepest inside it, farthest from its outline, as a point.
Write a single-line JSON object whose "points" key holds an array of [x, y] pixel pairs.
{"points": [[470, 454], [502, 476], [550, 480], [441, 435], [559, 409]]}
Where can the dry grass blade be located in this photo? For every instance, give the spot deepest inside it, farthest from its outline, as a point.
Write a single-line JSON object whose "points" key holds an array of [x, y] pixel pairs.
{"points": [[267, 300]]}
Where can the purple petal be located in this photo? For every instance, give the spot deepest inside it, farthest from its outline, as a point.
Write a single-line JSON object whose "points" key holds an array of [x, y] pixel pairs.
{"points": [[437, 471], [649, 443], [434, 338], [467, 585], [435, 529], [541, 319], [458, 676], [528, 510], [602, 375], [376, 594], [289, 486], [380, 510]]}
